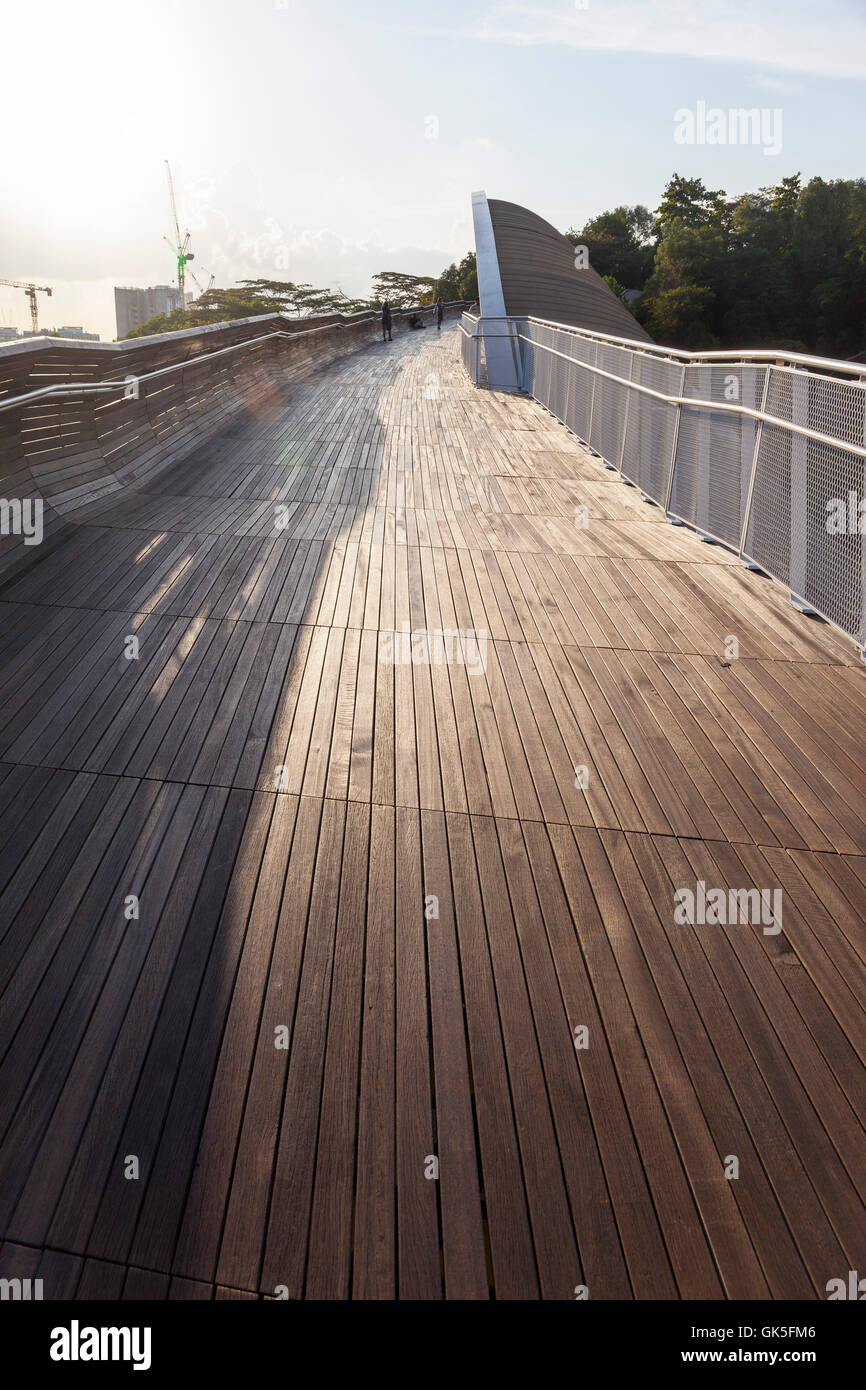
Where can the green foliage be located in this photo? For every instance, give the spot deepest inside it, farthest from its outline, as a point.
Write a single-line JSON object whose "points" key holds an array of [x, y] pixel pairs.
{"points": [[457, 282], [614, 286], [402, 291], [688, 202], [784, 267], [302, 301], [676, 316], [214, 306], [619, 244]]}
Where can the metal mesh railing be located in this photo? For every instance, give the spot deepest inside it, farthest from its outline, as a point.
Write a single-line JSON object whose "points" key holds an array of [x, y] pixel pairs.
{"points": [[470, 346], [761, 452]]}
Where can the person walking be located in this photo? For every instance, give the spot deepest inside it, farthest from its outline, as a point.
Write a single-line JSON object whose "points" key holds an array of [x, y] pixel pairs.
{"points": [[440, 310], [386, 322]]}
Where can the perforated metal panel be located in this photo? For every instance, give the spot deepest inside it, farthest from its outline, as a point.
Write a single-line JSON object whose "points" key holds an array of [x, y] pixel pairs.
{"points": [[715, 449], [649, 435], [807, 502]]}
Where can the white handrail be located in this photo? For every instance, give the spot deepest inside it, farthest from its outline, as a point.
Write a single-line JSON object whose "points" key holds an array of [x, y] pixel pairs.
{"points": [[696, 403], [776, 356]]}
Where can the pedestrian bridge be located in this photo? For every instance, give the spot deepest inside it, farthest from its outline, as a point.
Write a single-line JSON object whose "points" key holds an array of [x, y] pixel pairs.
{"points": [[426, 871]]}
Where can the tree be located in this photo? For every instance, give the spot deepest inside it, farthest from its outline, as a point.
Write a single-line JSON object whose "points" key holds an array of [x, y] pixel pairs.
{"points": [[249, 299], [689, 202], [619, 244], [457, 282], [304, 300], [615, 287], [402, 291], [683, 292], [677, 317], [214, 306], [784, 267]]}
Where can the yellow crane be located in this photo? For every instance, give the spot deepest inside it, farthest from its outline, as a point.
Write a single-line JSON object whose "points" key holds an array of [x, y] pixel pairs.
{"points": [[31, 291]]}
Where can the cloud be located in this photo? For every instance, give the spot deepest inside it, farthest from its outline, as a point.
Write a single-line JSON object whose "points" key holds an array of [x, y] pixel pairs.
{"points": [[801, 37]]}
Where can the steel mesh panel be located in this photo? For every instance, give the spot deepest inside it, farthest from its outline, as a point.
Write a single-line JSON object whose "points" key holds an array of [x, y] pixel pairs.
{"points": [[610, 403], [649, 431], [721, 514], [539, 385], [546, 361], [827, 488], [558, 377], [780, 394], [768, 538], [528, 355], [684, 486], [482, 363], [799, 483], [596, 423], [467, 347], [715, 449], [834, 548], [837, 408], [580, 389]]}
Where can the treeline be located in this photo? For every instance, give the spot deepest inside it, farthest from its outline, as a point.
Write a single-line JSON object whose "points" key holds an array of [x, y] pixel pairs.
{"points": [[781, 268], [254, 297]]}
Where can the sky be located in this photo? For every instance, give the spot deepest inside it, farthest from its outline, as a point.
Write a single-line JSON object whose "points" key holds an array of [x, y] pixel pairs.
{"points": [[321, 140]]}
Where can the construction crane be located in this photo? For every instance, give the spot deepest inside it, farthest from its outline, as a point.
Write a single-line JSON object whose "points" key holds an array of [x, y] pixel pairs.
{"points": [[31, 291], [179, 247], [197, 282]]}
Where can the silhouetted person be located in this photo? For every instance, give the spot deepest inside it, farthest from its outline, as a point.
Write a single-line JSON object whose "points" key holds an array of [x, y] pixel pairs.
{"points": [[386, 322], [440, 310]]}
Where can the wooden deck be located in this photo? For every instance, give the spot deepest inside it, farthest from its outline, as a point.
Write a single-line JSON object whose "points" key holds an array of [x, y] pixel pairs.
{"points": [[283, 804]]}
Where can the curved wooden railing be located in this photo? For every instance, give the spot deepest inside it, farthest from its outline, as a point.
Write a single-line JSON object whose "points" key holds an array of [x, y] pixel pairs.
{"points": [[81, 421]]}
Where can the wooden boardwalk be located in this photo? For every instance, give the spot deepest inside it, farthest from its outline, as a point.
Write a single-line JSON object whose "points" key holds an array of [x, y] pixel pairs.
{"points": [[375, 902]]}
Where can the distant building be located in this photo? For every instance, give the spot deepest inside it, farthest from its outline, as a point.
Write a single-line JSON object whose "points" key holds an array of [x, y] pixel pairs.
{"points": [[69, 330], [73, 331], [8, 335], [134, 307]]}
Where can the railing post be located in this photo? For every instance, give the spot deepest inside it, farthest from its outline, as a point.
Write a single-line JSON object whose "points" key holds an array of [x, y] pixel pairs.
{"points": [[747, 511], [521, 363], [633, 357], [592, 448], [798, 517], [669, 487]]}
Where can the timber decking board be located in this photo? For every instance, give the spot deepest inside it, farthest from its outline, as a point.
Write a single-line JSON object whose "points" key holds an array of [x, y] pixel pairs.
{"points": [[375, 901]]}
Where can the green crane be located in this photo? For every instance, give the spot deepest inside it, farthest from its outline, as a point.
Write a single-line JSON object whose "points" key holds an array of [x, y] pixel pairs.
{"points": [[179, 247]]}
